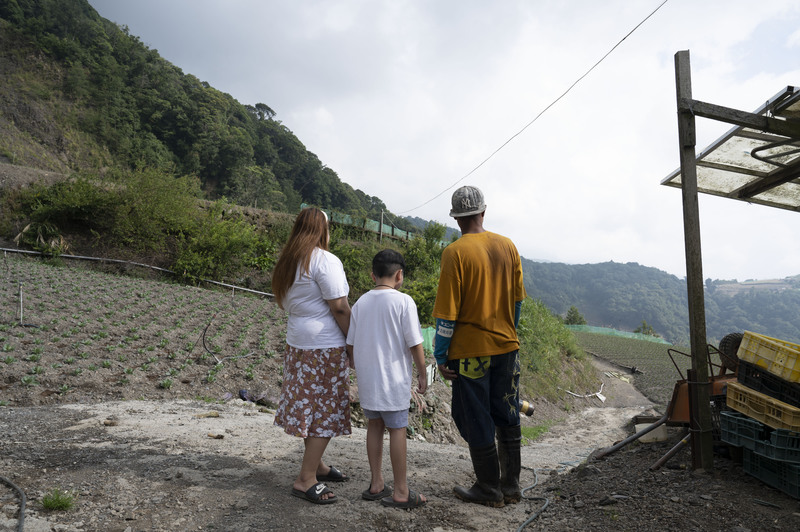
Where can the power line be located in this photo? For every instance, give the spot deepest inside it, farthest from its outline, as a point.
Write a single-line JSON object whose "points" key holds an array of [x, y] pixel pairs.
{"points": [[515, 135]]}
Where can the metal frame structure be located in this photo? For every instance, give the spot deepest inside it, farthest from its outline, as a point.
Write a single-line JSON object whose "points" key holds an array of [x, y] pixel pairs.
{"points": [[768, 174]]}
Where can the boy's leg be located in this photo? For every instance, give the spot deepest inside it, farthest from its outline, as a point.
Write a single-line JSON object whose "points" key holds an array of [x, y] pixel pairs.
{"points": [[397, 453], [375, 428], [397, 422]]}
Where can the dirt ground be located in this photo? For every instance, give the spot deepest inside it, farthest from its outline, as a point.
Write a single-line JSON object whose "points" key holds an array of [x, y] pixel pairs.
{"points": [[193, 465]]}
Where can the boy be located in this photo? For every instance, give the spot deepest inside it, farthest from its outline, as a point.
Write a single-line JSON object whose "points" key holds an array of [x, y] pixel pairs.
{"points": [[383, 338]]}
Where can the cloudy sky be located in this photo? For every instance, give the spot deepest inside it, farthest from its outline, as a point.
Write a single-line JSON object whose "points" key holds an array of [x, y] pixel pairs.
{"points": [[409, 99]]}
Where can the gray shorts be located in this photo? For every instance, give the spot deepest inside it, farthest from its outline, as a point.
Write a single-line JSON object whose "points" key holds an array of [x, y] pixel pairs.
{"points": [[394, 419]]}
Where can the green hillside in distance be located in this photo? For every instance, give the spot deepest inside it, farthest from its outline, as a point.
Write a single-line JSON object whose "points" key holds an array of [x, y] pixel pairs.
{"points": [[623, 295]]}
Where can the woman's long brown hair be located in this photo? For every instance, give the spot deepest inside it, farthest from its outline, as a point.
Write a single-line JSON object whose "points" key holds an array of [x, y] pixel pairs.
{"points": [[310, 230]]}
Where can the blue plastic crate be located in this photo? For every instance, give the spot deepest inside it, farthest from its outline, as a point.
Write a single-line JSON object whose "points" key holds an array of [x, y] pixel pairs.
{"points": [[742, 431], [784, 476]]}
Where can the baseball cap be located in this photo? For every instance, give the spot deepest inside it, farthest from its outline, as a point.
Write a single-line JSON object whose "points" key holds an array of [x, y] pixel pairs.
{"points": [[467, 201]]}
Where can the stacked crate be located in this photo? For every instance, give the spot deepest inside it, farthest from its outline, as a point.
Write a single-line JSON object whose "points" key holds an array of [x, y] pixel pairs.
{"points": [[765, 422]]}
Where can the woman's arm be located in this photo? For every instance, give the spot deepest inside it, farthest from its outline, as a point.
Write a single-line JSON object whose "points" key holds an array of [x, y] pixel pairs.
{"points": [[341, 312]]}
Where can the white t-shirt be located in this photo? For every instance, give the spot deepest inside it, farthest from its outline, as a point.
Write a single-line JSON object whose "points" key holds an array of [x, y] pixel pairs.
{"points": [[384, 325], [311, 323]]}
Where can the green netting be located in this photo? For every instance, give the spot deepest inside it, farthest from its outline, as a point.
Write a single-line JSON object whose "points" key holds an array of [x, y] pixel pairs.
{"points": [[427, 338], [615, 332], [369, 225]]}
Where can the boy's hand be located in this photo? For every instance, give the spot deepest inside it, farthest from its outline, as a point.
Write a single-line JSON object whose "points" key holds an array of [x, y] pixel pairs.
{"points": [[422, 383]]}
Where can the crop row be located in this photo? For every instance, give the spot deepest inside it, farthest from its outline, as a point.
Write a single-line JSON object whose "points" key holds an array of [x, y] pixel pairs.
{"points": [[65, 328]]}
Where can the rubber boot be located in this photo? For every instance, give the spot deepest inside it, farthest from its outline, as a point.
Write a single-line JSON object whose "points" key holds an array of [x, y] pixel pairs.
{"points": [[486, 490], [508, 451]]}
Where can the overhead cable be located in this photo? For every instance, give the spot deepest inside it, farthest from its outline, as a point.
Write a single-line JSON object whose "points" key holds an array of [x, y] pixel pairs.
{"points": [[541, 112]]}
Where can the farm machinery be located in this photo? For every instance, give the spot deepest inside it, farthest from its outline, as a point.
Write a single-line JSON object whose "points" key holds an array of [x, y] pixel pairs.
{"points": [[678, 410]]}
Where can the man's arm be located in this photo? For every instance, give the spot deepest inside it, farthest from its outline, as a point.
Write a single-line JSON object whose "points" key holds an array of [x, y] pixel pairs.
{"points": [[444, 333]]}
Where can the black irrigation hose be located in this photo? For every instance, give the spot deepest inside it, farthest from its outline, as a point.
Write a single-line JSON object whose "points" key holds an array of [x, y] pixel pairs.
{"points": [[204, 337], [545, 499], [21, 522]]}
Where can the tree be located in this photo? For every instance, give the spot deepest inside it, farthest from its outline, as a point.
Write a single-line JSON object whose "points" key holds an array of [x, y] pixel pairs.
{"points": [[574, 317], [644, 328]]}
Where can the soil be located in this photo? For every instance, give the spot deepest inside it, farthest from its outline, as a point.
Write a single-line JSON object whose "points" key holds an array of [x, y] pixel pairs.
{"points": [[195, 465]]}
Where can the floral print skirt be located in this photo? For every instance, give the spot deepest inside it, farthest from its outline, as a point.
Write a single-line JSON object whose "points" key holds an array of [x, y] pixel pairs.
{"points": [[315, 395]]}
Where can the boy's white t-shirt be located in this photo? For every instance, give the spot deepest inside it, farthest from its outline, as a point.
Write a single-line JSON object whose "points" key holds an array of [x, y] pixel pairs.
{"points": [[311, 323], [384, 325]]}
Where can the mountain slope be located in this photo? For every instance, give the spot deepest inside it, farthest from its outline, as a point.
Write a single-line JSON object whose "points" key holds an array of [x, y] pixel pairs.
{"points": [[621, 296]]}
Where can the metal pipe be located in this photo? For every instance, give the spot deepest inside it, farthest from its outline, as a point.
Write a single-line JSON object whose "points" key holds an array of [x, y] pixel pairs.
{"points": [[671, 452], [616, 447]]}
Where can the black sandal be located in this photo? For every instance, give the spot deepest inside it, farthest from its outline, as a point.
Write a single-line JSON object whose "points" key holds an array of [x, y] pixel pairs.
{"points": [[334, 475]]}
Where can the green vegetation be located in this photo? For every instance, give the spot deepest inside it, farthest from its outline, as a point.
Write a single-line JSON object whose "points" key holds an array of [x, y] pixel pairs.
{"points": [[531, 434], [550, 357], [58, 500], [574, 317], [626, 296], [106, 100]]}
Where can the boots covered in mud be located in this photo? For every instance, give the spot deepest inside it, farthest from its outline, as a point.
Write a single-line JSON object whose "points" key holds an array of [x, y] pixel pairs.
{"points": [[486, 489], [509, 440]]}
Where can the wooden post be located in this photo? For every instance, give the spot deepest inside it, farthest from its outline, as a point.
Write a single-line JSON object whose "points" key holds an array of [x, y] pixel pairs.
{"points": [[700, 410]]}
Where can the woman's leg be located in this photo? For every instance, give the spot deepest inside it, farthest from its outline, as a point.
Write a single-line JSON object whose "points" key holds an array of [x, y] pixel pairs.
{"points": [[312, 459]]}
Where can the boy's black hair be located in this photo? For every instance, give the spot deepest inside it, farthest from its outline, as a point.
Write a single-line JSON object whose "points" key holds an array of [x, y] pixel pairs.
{"points": [[387, 262]]}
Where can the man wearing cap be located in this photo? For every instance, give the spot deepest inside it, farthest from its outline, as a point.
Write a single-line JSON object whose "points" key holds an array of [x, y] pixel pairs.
{"points": [[476, 346]]}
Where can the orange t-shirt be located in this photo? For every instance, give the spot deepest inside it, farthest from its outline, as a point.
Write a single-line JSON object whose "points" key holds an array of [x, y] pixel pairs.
{"points": [[480, 281]]}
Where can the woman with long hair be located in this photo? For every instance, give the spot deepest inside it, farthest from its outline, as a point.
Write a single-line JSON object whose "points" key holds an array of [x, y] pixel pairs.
{"points": [[309, 283]]}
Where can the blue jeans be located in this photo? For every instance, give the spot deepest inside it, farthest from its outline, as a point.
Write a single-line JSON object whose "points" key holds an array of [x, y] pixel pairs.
{"points": [[485, 396]]}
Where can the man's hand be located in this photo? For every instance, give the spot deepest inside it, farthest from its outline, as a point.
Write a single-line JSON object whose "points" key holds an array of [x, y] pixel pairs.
{"points": [[446, 372]]}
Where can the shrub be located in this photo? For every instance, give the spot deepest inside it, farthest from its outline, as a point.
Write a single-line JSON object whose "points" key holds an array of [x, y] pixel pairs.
{"points": [[58, 500], [219, 245], [549, 355]]}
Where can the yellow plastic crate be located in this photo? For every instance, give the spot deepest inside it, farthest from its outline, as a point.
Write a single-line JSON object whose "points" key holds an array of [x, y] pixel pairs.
{"points": [[763, 408], [775, 356]]}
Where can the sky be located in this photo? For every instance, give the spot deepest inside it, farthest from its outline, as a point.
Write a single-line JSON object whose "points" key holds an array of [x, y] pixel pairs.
{"points": [[407, 100]]}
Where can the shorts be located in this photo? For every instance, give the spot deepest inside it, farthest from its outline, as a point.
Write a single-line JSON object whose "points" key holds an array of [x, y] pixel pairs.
{"points": [[393, 419]]}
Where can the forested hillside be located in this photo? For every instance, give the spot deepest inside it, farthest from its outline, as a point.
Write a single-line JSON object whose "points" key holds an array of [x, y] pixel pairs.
{"points": [[622, 296], [81, 93]]}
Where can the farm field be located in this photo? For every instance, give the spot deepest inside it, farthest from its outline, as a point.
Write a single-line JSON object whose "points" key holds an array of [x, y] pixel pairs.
{"points": [[655, 374], [87, 335]]}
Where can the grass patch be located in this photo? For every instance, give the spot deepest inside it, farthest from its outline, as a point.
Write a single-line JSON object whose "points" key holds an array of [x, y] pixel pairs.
{"points": [[531, 434], [58, 500]]}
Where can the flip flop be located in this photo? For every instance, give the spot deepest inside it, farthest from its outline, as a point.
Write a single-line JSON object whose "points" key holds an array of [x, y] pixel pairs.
{"points": [[314, 494], [334, 475], [369, 496], [414, 501]]}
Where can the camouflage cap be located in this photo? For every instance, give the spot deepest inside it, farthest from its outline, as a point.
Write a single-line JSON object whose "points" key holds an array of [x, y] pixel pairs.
{"points": [[467, 201]]}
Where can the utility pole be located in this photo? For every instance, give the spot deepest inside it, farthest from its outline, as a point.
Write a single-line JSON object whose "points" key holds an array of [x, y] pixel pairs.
{"points": [[700, 424]]}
